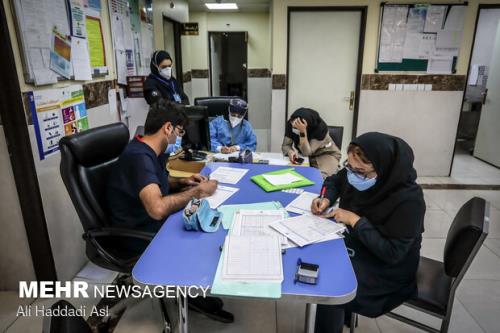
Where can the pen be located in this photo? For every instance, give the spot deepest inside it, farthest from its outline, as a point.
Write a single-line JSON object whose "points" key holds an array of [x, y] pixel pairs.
{"points": [[323, 192]]}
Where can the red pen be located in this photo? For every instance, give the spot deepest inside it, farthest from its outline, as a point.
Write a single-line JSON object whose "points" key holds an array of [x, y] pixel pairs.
{"points": [[323, 192]]}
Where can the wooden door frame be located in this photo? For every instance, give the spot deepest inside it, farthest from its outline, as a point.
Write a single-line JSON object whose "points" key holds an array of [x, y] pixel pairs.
{"points": [[480, 6], [177, 48], [21, 158], [363, 10]]}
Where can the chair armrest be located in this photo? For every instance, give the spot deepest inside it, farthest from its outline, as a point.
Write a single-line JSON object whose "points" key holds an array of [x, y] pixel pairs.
{"points": [[91, 236]]}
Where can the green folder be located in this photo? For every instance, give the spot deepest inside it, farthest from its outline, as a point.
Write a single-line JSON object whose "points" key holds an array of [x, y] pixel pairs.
{"points": [[229, 210], [246, 289], [268, 187]]}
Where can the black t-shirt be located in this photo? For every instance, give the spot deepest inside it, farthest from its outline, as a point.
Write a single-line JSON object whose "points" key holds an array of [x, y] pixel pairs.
{"points": [[137, 167]]}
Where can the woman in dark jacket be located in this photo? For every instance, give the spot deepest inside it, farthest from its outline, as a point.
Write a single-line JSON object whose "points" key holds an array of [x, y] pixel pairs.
{"points": [[383, 209], [161, 83]]}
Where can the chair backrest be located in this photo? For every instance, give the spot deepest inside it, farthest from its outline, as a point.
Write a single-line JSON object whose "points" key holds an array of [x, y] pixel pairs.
{"points": [[216, 105], [466, 235], [336, 133], [86, 162], [65, 324]]}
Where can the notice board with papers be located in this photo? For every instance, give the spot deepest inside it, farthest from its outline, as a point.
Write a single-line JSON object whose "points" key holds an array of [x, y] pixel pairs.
{"points": [[420, 37]]}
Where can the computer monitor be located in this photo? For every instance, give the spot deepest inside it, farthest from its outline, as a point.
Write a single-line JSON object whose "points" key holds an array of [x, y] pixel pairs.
{"points": [[197, 135]]}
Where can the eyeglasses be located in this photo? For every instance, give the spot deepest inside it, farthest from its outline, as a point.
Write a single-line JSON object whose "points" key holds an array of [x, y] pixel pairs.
{"points": [[349, 167], [180, 131]]}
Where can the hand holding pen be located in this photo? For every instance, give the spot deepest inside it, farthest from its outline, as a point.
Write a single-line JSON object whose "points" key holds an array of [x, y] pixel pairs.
{"points": [[319, 205]]}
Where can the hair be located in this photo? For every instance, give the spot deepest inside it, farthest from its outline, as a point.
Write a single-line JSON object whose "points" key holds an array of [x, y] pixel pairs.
{"points": [[162, 112], [358, 152]]}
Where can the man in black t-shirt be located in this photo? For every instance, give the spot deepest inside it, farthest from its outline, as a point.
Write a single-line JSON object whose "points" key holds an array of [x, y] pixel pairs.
{"points": [[140, 193]]}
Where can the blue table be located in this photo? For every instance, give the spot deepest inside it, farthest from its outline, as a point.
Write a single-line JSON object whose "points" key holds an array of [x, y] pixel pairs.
{"points": [[185, 258]]}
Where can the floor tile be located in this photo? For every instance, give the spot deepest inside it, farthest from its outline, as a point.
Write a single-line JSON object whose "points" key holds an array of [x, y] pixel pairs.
{"points": [[9, 305], [436, 224], [493, 244], [144, 317], [486, 265], [433, 248], [481, 298]]}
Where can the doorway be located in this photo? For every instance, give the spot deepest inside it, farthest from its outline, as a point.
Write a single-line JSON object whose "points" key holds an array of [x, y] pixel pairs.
{"points": [[172, 44], [325, 50], [228, 63], [477, 134]]}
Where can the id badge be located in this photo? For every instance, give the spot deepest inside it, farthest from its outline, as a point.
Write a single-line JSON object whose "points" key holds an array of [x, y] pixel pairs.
{"points": [[177, 98]]}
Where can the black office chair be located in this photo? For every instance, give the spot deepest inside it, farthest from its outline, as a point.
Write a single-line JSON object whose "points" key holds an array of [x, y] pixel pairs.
{"points": [[216, 105], [87, 159], [65, 324], [336, 133], [437, 281]]}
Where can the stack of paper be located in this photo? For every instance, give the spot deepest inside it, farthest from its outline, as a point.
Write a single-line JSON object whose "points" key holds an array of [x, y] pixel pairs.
{"points": [[257, 223], [252, 258], [302, 203], [228, 211], [221, 194], [225, 157], [308, 229], [281, 179], [228, 175]]}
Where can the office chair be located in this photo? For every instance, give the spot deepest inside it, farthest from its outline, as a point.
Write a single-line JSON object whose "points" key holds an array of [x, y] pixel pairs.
{"points": [[87, 158], [437, 281], [336, 133], [65, 324], [217, 105]]}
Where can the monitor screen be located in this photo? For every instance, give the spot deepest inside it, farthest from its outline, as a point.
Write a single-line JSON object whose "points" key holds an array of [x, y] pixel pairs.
{"points": [[197, 135]]}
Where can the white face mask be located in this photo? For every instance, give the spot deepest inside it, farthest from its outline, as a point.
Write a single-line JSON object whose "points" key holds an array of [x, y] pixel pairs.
{"points": [[166, 72], [235, 121], [296, 131]]}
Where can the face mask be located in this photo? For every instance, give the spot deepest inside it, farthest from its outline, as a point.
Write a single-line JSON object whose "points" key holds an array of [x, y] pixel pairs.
{"points": [[173, 147], [166, 72], [235, 121], [295, 131], [358, 182]]}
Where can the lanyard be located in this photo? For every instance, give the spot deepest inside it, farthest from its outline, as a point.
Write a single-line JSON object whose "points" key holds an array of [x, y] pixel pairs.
{"points": [[168, 83]]}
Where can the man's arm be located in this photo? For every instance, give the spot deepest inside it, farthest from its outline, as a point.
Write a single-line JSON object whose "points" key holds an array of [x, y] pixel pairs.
{"points": [[158, 207]]}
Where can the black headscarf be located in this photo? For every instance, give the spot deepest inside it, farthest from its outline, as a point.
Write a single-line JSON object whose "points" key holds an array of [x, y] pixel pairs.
{"points": [[156, 59], [392, 159], [316, 127]]}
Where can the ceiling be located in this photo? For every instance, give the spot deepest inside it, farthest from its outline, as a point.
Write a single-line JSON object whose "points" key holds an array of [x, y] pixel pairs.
{"points": [[243, 5]]}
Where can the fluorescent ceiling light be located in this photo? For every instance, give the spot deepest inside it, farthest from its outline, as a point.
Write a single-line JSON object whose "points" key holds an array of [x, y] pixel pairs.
{"points": [[221, 6]]}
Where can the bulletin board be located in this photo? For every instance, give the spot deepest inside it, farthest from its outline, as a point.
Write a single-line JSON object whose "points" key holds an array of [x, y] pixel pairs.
{"points": [[420, 37], [56, 39]]}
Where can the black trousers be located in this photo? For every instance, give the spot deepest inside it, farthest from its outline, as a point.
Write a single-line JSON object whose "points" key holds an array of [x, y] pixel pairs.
{"points": [[331, 318]]}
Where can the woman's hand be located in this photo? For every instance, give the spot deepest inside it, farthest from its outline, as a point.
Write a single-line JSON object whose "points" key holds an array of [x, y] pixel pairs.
{"points": [[194, 180], [319, 205], [292, 155], [225, 150], [300, 124], [344, 216]]}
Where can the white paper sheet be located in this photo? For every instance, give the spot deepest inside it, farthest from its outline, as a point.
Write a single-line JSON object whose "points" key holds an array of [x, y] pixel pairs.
{"points": [[448, 39], [121, 66], [393, 34], [282, 179], [434, 19], [440, 65], [416, 19], [112, 102], [221, 194], [302, 203], [307, 229], [225, 157], [411, 48], [473, 75], [252, 258], [427, 46], [80, 59], [228, 175], [455, 19], [257, 223]]}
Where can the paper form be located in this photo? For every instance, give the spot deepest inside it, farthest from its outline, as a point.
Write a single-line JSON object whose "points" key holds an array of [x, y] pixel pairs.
{"points": [[440, 65], [302, 203], [228, 175], [455, 19], [225, 157], [252, 258], [307, 229], [435, 18], [283, 179], [221, 194], [80, 59], [257, 223], [95, 42]]}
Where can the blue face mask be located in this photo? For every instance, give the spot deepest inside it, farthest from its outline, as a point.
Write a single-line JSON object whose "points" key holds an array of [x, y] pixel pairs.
{"points": [[358, 182], [173, 147]]}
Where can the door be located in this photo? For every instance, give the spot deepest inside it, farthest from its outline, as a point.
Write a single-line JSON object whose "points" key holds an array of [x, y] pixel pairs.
{"points": [[228, 63], [324, 64], [172, 44], [488, 134]]}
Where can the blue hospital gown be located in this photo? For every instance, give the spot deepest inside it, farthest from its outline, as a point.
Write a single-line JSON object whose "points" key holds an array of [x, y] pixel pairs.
{"points": [[220, 134]]}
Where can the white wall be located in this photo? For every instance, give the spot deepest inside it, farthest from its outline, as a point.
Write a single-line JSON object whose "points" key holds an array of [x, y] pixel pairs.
{"points": [[15, 256], [426, 120]]}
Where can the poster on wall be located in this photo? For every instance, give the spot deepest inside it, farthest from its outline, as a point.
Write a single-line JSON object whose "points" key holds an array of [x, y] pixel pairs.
{"points": [[56, 113]]}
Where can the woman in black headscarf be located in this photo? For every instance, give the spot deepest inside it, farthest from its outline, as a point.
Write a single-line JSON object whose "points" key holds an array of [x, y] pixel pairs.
{"points": [[306, 133], [383, 209], [160, 83]]}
